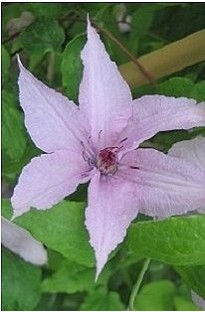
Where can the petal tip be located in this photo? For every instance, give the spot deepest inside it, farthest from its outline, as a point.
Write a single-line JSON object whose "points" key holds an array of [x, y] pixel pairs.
{"points": [[88, 20], [19, 61]]}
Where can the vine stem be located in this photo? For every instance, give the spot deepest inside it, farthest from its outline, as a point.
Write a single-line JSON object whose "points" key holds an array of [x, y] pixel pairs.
{"points": [[146, 74], [138, 283]]}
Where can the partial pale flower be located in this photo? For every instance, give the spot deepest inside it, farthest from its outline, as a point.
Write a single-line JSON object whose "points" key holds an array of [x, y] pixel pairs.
{"points": [[96, 141], [21, 242], [199, 301], [192, 151]]}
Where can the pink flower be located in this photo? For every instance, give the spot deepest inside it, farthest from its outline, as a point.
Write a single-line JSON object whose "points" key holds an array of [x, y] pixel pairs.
{"points": [[97, 141]]}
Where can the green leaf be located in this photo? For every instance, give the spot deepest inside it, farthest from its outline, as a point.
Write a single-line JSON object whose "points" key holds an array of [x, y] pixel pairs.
{"points": [[166, 139], [155, 296], [71, 66], [20, 283], [52, 10], [102, 300], [6, 209], [42, 36], [13, 131], [70, 278], [95, 7], [173, 23], [183, 304], [194, 276], [178, 240], [179, 86], [198, 91], [62, 229], [5, 61], [142, 18], [175, 87]]}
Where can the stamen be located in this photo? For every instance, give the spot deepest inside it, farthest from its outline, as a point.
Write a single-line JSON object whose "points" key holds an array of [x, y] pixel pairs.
{"points": [[123, 140], [106, 160], [88, 153], [133, 167]]}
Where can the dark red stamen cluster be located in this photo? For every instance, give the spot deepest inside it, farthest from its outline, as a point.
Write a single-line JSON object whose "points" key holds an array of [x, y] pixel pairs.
{"points": [[107, 160]]}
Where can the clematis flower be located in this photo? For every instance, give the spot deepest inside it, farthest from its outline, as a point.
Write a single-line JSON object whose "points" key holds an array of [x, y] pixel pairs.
{"points": [[21, 242], [98, 141]]}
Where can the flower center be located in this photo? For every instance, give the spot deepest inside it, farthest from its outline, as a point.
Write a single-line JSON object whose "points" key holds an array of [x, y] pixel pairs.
{"points": [[106, 160]]}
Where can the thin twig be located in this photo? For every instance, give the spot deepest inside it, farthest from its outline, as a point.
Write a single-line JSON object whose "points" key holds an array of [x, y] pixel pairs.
{"points": [[149, 77], [12, 37]]}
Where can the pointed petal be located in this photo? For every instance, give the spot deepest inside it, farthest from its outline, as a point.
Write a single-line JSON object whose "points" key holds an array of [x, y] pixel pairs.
{"points": [[20, 241], [48, 179], [166, 185], [111, 208], [105, 98], [50, 118], [190, 150], [156, 113]]}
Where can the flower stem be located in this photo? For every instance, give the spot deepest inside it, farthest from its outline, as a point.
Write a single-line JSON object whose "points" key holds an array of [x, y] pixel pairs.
{"points": [[138, 283]]}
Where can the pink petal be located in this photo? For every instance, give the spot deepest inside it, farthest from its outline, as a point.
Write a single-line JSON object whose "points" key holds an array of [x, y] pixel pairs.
{"points": [[166, 185], [20, 241], [48, 179], [50, 118], [111, 208], [190, 150], [161, 113], [105, 98]]}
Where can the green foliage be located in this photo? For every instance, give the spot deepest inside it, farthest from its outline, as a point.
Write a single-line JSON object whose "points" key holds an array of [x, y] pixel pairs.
{"points": [[20, 283], [6, 209], [183, 304], [5, 64], [71, 66], [194, 276], [163, 294], [102, 300], [156, 296], [42, 36], [173, 23], [178, 240], [180, 86], [17, 148], [141, 22], [54, 10], [70, 278], [61, 229], [13, 131]]}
